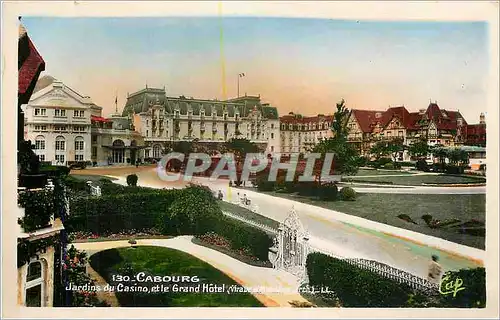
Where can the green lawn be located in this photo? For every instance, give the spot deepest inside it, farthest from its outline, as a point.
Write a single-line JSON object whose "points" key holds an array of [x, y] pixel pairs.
{"points": [[245, 213], [158, 261], [385, 208], [419, 179]]}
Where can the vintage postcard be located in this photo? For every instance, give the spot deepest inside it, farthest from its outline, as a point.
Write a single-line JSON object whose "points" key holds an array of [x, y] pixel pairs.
{"points": [[294, 159]]}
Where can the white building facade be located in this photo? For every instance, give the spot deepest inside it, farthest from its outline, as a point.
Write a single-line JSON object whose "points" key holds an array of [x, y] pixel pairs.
{"points": [[299, 134], [57, 121]]}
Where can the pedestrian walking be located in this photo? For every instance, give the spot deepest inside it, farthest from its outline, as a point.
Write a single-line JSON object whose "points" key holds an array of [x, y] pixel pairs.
{"points": [[435, 270]]}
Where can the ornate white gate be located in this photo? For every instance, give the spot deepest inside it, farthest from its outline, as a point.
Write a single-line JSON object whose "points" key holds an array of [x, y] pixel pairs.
{"points": [[291, 245]]}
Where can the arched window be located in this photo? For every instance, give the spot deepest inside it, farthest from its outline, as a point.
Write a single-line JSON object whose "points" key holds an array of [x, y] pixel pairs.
{"points": [[34, 285], [40, 143], [118, 143], [60, 143], [60, 149], [156, 151], [79, 148]]}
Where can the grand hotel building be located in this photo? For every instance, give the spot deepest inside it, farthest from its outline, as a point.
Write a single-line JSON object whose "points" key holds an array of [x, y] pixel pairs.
{"points": [[163, 120]]}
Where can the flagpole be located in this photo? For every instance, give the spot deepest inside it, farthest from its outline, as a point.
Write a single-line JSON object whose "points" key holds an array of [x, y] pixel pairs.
{"points": [[238, 86]]}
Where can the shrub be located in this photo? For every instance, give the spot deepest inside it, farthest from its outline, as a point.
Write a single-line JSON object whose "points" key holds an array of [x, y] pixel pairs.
{"points": [[38, 209], [452, 169], [328, 191], [348, 194], [132, 180], [474, 294], [118, 212], [75, 184], [389, 166], [194, 211], [308, 188], [242, 236], [422, 165], [263, 183]]}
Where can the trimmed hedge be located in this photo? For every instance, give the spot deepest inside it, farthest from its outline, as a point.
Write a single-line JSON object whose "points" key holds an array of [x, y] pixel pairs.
{"points": [[118, 212], [355, 287], [189, 211], [328, 191]]}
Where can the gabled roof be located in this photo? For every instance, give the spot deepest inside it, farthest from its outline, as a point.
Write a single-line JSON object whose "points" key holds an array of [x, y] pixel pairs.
{"points": [[366, 118], [444, 119]]}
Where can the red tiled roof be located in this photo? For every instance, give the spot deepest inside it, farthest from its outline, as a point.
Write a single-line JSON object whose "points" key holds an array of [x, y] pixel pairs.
{"points": [[100, 119], [29, 70], [444, 119], [399, 112], [366, 118]]}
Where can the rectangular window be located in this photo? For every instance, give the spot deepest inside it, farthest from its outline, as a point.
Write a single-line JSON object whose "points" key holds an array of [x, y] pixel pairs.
{"points": [[78, 157], [272, 135], [60, 145], [40, 144], [79, 145], [94, 139], [60, 128], [40, 128], [34, 296], [94, 152], [400, 133], [59, 113], [40, 112], [41, 157], [60, 157], [78, 113]]}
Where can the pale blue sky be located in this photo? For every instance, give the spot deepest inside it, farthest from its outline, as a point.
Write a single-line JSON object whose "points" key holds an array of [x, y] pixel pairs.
{"points": [[301, 65]]}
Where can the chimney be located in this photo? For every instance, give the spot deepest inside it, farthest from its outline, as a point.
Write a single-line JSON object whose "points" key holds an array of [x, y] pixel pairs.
{"points": [[482, 119]]}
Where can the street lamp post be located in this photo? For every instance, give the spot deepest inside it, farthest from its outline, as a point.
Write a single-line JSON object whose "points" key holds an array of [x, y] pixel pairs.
{"points": [[240, 75]]}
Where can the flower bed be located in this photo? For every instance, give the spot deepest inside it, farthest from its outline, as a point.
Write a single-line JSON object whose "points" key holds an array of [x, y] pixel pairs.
{"points": [[82, 236], [216, 242]]}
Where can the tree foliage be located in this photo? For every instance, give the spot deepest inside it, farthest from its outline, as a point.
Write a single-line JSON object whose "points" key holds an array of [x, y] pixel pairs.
{"points": [[390, 147], [419, 149], [346, 157]]}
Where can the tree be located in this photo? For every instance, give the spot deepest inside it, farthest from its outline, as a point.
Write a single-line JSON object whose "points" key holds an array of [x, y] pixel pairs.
{"points": [[440, 153], [184, 147], [345, 155], [419, 149], [385, 148], [340, 119], [458, 156], [395, 146], [379, 150]]}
